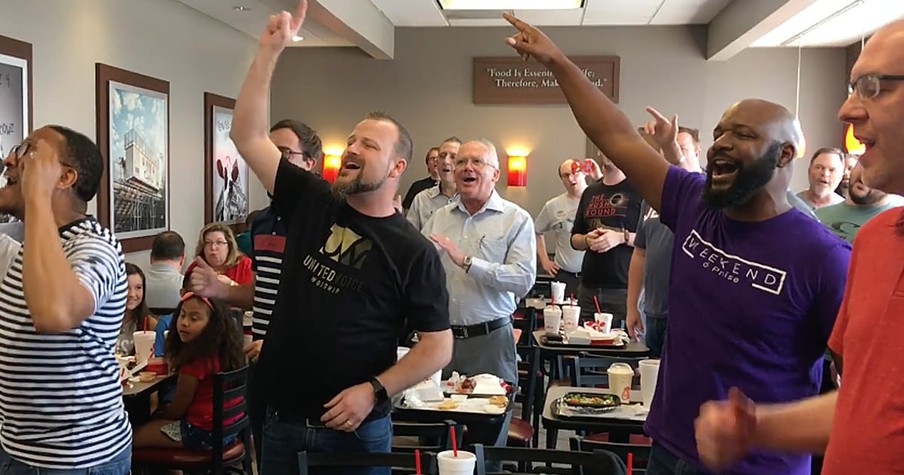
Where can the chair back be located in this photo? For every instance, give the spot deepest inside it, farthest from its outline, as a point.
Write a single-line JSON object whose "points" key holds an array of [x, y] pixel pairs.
{"points": [[640, 453], [591, 371], [598, 462], [400, 462], [229, 386], [432, 437]]}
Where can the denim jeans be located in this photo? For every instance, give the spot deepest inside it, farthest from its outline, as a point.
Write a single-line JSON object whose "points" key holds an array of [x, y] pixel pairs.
{"points": [[121, 464], [663, 462], [284, 439], [654, 335]]}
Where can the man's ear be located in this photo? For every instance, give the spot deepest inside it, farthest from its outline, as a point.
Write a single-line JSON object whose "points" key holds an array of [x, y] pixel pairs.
{"points": [[68, 178], [788, 153], [398, 167]]}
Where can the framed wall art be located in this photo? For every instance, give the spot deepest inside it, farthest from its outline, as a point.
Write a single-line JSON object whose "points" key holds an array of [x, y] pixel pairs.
{"points": [[225, 171], [133, 135], [16, 103]]}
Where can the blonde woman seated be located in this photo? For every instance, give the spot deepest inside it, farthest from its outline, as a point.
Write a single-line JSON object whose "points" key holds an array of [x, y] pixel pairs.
{"points": [[217, 247]]}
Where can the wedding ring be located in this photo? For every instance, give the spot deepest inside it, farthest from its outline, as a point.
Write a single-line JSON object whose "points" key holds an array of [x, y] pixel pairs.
{"points": [[348, 423]]}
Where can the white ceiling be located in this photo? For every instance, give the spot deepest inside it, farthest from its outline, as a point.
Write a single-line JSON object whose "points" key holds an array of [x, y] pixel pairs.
{"points": [[847, 21]]}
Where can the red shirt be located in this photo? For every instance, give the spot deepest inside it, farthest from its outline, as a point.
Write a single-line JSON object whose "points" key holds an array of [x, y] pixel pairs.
{"points": [[868, 429], [200, 411], [240, 273]]}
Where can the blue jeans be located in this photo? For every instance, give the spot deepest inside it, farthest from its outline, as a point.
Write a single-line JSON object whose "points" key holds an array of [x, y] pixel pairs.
{"points": [[654, 335], [663, 462], [118, 465], [284, 439]]}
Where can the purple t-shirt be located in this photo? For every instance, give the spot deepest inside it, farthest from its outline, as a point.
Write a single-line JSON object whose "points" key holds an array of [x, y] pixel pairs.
{"points": [[751, 305]]}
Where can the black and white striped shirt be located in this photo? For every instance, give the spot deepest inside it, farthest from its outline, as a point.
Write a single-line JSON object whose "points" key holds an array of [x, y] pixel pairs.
{"points": [[60, 396], [268, 237]]}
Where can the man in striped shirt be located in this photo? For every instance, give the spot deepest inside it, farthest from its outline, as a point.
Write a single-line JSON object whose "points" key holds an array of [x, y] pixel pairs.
{"points": [[301, 146], [61, 308]]}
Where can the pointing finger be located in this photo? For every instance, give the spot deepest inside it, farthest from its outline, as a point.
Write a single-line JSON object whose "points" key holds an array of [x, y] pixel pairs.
{"points": [[655, 113], [520, 25], [298, 17]]}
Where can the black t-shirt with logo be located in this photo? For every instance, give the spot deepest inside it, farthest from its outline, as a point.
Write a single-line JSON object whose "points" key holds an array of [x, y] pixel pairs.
{"points": [[350, 285], [614, 207]]}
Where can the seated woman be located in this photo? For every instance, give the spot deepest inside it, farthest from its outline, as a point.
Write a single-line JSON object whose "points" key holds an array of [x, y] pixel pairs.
{"points": [[138, 316], [217, 247], [202, 341]]}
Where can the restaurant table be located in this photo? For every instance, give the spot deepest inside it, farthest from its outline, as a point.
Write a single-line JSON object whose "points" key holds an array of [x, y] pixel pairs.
{"points": [[137, 398], [620, 424]]}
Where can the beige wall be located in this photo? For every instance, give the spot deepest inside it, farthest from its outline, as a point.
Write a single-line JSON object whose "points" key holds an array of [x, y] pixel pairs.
{"points": [[159, 38], [428, 88]]}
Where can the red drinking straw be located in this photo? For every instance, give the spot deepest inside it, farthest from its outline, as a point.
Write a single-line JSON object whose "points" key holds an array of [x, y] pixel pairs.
{"points": [[417, 461], [571, 299], [454, 443], [630, 462], [597, 303], [145, 323]]}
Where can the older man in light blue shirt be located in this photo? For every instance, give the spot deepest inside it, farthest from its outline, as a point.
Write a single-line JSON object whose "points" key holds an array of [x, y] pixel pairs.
{"points": [[488, 250], [428, 201]]}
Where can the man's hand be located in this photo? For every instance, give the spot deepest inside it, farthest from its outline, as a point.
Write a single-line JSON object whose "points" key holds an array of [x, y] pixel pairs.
{"points": [[724, 430], [205, 281], [348, 409], [282, 26], [455, 254], [592, 169], [530, 41], [663, 131], [39, 171], [607, 240], [253, 350], [635, 324], [549, 266]]}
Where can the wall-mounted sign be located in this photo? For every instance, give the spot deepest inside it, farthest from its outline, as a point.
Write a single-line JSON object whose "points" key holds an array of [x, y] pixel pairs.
{"points": [[507, 80]]}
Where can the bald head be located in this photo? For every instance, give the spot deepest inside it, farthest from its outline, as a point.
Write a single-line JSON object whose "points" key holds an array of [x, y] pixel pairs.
{"points": [[774, 121]]}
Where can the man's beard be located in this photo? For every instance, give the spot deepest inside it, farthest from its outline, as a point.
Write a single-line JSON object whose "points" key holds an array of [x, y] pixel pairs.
{"points": [[344, 189], [870, 198], [748, 181]]}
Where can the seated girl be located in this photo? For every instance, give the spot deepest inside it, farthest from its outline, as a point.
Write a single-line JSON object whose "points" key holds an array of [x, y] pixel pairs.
{"points": [[137, 316], [202, 341]]}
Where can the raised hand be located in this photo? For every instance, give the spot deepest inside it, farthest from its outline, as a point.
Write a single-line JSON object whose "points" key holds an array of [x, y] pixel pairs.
{"points": [[530, 41], [724, 430], [592, 169], [39, 170], [663, 131], [205, 281], [282, 26]]}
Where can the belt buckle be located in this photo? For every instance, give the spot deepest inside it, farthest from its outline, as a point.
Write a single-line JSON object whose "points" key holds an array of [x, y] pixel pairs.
{"points": [[314, 423], [464, 332]]}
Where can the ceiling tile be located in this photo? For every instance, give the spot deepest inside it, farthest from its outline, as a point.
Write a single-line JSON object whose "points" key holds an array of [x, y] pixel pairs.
{"points": [[551, 17], [412, 12]]}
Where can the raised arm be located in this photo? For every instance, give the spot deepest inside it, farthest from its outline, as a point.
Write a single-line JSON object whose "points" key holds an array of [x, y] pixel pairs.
{"points": [[602, 121], [251, 120]]}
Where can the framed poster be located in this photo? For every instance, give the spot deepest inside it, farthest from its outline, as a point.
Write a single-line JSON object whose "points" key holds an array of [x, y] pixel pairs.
{"points": [[133, 135], [15, 98], [225, 171]]}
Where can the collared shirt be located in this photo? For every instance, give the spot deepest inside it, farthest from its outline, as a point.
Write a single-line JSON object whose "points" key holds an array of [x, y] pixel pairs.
{"points": [[162, 285], [268, 236], [501, 242], [425, 204], [417, 187]]}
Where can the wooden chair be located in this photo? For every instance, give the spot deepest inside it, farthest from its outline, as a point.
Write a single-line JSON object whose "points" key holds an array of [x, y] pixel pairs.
{"points": [[598, 462], [220, 459], [399, 462], [641, 452]]}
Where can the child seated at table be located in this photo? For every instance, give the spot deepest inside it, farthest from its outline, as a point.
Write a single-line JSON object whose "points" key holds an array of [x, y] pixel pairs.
{"points": [[201, 342]]}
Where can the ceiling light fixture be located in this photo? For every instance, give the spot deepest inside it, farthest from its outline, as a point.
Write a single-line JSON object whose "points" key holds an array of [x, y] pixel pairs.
{"points": [[297, 38], [511, 4], [241, 8]]}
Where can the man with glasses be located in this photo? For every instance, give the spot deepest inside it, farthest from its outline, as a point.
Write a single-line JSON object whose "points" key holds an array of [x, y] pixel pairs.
{"points": [[488, 247], [63, 300], [557, 216], [299, 145], [428, 201], [424, 183], [860, 425]]}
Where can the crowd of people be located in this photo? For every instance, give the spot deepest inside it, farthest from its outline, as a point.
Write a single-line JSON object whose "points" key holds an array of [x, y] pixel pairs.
{"points": [[736, 283]]}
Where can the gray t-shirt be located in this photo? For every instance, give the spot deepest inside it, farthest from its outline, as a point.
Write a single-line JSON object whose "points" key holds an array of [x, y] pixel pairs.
{"points": [[557, 216], [656, 239], [845, 220]]}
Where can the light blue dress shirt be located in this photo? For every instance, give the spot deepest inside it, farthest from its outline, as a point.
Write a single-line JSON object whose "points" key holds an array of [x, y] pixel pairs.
{"points": [[502, 244], [425, 204]]}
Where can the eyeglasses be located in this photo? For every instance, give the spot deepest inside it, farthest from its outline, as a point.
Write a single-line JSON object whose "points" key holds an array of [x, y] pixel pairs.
{"points": [[869, 86], [288, 152], [215, 243], [477, 163], [21, 150]]}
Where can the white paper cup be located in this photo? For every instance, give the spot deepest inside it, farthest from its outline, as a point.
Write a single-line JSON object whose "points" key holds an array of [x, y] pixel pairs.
{"points": [[604, 319], [558, 292], [144, 345], [649, 374], [620, 375], [552, 319], [449, 464], [571, 317], [247, 340]]}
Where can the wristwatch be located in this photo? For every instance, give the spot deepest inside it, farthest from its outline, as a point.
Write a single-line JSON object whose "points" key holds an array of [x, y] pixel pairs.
{"points": [[466, 263], [380, 394]]}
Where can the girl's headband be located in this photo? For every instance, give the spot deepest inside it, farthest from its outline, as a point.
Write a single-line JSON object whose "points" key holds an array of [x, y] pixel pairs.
{"points": [[188, 295]]}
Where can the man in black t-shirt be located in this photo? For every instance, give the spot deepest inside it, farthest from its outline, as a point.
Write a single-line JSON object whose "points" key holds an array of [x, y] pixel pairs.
{"points": [[604, 226], [355, 273]]}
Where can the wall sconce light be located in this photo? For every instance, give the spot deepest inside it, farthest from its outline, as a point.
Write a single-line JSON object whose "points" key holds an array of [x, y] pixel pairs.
{"points": [[517, 168], [332, 161], [851, 144]]}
